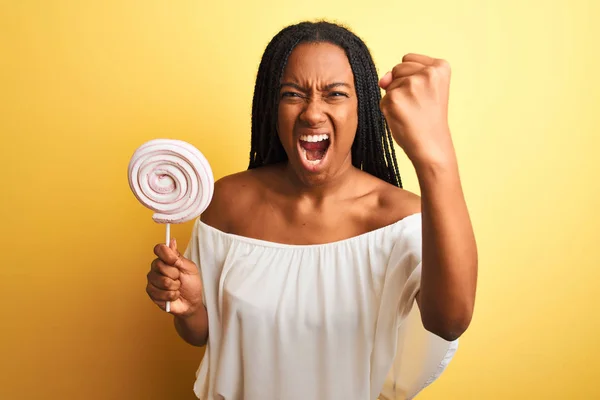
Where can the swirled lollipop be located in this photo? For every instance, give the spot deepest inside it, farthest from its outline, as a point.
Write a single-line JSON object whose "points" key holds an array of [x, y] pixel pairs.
{"points": [[172, 178]]}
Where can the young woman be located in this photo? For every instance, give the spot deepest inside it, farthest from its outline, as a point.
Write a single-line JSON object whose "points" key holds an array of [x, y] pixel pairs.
{"points": [[302, 274]]}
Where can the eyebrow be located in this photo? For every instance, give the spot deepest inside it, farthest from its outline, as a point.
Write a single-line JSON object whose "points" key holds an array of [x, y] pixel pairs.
{"points": [[327, 87]]}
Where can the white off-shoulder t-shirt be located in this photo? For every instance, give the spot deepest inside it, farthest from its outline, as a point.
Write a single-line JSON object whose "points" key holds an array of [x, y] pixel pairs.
{"points": [[334, 321]]}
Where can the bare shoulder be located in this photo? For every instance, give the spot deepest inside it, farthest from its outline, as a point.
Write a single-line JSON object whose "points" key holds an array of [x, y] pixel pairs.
{"points": [[394, 203], [401, 200], [233, 195]]}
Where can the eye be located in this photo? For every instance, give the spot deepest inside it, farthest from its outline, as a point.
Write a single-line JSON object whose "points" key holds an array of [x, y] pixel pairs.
{"points": [[291, 94], [338, 94]]}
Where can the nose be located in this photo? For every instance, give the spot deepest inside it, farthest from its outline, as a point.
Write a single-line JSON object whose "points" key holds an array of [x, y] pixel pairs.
{"points": [[313, 113]]}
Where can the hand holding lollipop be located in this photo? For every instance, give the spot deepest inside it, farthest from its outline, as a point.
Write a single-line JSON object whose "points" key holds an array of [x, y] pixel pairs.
{"points": [[175, 180]]}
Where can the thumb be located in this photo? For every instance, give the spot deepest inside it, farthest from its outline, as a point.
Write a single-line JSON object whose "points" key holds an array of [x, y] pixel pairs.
{"points": [[173, 246], [183, 264]]}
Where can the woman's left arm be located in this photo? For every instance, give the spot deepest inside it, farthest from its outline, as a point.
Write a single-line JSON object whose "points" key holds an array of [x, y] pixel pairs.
{"points": [[449, 261], [416, 108]]}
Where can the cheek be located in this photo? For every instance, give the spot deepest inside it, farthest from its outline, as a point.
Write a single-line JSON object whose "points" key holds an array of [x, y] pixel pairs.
{"points": [[285, 117], [346, 121], [284, 124]]}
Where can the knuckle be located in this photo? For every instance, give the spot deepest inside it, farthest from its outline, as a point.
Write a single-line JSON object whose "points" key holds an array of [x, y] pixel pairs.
{"points": [[175, 284], [431, 75], [444, 65], [395, 98], [160, 266], [415, 83], [165, 282], [169, 271], [430, 71], [150, 291], [152, 274]]}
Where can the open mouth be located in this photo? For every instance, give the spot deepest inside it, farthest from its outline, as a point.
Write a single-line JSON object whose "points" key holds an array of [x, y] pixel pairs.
{"points": [[314, 147]]}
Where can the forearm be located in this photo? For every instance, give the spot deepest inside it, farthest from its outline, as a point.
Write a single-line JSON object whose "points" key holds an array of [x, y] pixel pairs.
{"points": [[193, 328], [449, 263]]}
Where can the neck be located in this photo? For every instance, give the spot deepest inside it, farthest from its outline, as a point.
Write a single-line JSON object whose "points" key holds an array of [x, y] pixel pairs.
{"points": [[318, 189]]}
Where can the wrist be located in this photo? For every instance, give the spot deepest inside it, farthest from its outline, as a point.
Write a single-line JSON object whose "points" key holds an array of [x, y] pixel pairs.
{"points": [[435, 164], [191, 313], [436, 151], [431, 173]]}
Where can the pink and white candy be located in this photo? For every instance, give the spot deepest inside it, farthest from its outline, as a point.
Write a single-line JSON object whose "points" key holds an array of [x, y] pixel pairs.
{"points": [[172, 178]]}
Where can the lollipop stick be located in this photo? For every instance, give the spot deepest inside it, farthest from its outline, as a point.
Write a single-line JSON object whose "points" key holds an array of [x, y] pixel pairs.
{"points": [[168, 306], [168, 241]]}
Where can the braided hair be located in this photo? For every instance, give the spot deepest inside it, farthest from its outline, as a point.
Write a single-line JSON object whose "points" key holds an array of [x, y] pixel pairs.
{"points": [[372, 150]]}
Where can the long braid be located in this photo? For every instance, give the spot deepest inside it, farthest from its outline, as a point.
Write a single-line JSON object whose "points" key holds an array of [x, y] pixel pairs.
{"points": [[373, 147]]}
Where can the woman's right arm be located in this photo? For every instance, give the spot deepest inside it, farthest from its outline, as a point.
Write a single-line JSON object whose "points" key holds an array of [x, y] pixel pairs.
{"points": [[193, 328], [174, 278]]}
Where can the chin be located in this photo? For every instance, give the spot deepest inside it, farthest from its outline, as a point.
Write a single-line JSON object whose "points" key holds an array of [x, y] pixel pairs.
{"points": [[313, 174]]}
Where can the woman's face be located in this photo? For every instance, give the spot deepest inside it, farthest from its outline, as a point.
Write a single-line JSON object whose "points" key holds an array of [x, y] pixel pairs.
{"points": [[318, 112]]}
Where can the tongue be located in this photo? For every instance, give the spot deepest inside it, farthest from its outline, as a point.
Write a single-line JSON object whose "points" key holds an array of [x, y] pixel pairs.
{"points": [[315, 150], [315, 146]]}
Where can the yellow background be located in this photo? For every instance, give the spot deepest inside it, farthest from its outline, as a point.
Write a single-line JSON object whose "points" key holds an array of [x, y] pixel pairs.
{"points": [[83, 83]]}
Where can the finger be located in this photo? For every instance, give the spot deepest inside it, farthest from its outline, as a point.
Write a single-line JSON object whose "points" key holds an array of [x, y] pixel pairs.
{"points": [[419, 58], [173, 247], [437, 63], [163, 282], [157, 294], [162, 268], [407, 68], [396, 83], [167, 255], [385, 80]]}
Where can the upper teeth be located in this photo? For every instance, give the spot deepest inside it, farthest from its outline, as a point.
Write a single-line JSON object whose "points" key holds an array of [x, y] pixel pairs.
{"points": [[314, 138]]}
